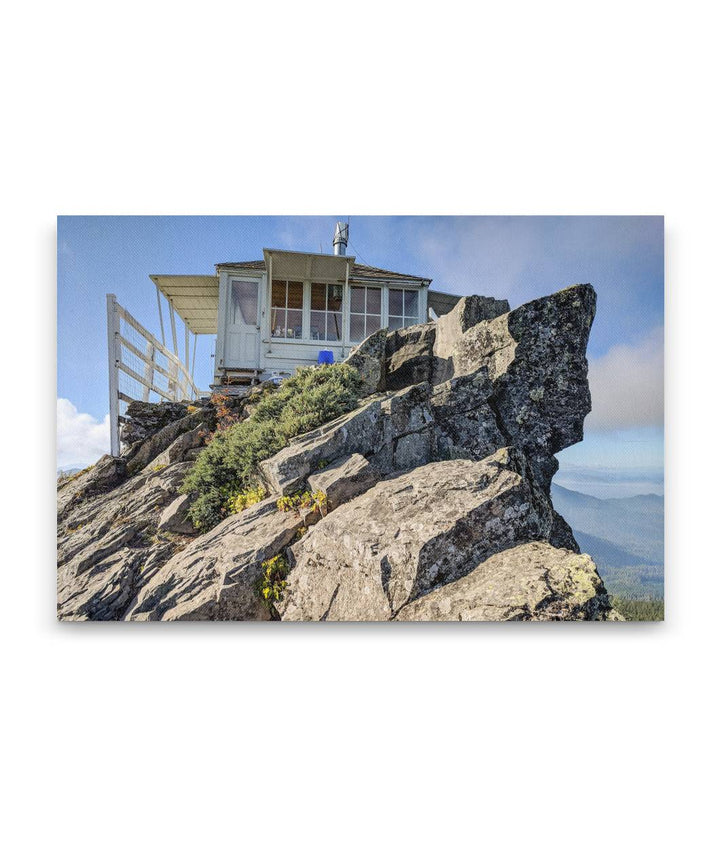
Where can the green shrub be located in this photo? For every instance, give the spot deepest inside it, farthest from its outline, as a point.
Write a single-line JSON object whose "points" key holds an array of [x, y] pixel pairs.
{"points": [[228, 465], [271, 583], [304, 502], [246, 499]]}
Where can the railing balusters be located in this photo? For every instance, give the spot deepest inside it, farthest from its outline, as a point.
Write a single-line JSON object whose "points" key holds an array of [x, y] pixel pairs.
{"points": [[180, 383]]}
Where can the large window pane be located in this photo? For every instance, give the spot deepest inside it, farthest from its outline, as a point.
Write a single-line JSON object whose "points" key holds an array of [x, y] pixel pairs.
{"points": [[357, 328], [295, 295], [317, 296], [411, 304], [334, 326], [373, 301], [317, 325], [357, 299], [278, 293], [395, 323], [287, 305], [244, 302], [294, 324], [335, 294], [278, 323], [372, 324], [396, 302]]}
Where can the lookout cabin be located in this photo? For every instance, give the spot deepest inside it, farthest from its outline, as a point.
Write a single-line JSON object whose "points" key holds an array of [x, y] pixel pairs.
{"points": [[294, 308], [269, 316]]}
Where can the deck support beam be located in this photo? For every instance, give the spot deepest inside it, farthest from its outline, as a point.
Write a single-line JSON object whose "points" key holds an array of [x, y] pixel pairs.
{"points": [[172, 327], [162, 326]]}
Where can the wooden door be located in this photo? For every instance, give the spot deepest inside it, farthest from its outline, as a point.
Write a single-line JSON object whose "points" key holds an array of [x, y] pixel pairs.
{"points": [[242, 328]]}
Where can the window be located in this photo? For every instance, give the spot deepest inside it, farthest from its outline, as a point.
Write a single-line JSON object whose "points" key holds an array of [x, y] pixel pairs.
{"points": [[402, 308], [286, 309], [326, 312], [364, 311], [244, 302]]}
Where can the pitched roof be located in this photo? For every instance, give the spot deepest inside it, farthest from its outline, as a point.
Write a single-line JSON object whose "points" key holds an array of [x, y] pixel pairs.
{"points": [[358, 271], [368, 272]]}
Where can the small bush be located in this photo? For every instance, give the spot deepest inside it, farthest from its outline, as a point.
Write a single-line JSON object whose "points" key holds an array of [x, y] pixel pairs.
{"points": [[271, 584], [304, 501], [225, 415], [246, 499], [228, 465]]}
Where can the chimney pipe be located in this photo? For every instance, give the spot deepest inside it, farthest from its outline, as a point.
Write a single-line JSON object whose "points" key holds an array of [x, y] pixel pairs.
{"points": [[340, 241]]}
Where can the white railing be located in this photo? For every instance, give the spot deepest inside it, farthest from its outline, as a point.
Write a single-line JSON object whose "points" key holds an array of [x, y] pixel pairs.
{"points": [[140, 367]]}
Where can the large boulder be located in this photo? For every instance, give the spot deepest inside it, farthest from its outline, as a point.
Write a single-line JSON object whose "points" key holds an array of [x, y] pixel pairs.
{"points": [[409, 356], [529, 582], [368, 358], [378, 430], [409, 534], [466, 313], [535, 357]]}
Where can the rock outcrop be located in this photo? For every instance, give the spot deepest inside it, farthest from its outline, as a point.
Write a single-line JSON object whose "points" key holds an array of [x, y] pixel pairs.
{"points": [[530, 582], [410, 534], [109, 544], [436, 491]]}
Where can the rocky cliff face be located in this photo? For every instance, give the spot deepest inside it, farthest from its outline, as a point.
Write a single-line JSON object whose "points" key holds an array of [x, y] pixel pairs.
{"points": [[438, 491]]}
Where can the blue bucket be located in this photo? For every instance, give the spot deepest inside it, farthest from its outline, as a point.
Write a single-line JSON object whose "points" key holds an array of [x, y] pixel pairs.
{"points": [[325, 358]]}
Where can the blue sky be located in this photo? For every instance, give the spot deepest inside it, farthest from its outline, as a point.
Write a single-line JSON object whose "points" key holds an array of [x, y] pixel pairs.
{"points": [[518, 258]]}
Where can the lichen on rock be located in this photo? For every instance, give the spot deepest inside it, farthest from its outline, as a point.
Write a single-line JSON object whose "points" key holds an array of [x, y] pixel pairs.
{"points": [[436, 491]]}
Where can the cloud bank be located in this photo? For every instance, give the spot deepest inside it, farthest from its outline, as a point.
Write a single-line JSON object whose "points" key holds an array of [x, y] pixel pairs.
{"points": [[81, 439], [626, 385]]}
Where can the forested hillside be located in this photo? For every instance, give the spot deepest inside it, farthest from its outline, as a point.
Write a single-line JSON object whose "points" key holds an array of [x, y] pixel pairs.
{"points": [[625, 537]]}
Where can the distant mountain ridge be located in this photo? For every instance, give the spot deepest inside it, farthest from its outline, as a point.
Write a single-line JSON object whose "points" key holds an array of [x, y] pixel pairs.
{"points": [[624, 536]]}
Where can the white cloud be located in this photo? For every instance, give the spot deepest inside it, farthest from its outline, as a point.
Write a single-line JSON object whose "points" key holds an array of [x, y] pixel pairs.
{"points": [[626, 385], [81, 439]]}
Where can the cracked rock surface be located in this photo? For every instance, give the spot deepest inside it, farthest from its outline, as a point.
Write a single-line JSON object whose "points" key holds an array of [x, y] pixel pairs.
{"points": [[437, 485]]}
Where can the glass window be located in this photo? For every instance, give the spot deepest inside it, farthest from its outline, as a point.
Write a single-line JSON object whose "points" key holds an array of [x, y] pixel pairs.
{"points": [[395, 302], [318, 295], [357, 328], [364, 311], [244, 302], [403, 308], [373, 300], [286, 309], [410, 301], [326, 312], [295, 295]]}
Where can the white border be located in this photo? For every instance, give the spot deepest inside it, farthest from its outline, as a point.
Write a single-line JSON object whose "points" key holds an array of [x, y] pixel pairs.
{"points": [[360, 739]]}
